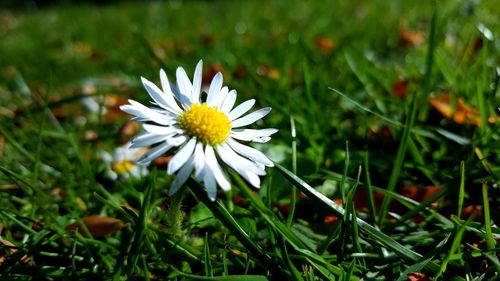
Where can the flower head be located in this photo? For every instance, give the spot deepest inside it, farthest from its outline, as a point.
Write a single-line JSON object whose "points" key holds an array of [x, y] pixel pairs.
{"points": [[123, 162], [200, 133]]}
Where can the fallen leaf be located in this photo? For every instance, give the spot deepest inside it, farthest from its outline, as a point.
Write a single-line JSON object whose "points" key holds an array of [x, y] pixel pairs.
{"points": [[269, 72], [98, 226], [462, 113], [9, 249], [417, 276], [472, 211], [324, 45], [330, 218], [408, 37], [400, 88], [113, 111], [162, 161]]}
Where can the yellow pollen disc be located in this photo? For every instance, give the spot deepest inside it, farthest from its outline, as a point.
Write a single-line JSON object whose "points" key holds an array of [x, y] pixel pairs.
{"points": [[207, 124], [122, 167]]}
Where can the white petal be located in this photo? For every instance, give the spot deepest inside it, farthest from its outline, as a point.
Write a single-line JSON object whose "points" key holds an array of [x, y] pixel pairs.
{"points": [[222, 95], [249, 152], [211, 162], [146, 140], [195, 97], [241, 109], [177, 140], [248, 165], [233, 160], [251, 134], [168, 88], [160, 130], [144, 112], [262, 139], [154, 153], [228, 102], [210, 185], [250, 118], [214, 90], [182, 176], [164, 100], [185, 86], [181, 156], [199, 161]]}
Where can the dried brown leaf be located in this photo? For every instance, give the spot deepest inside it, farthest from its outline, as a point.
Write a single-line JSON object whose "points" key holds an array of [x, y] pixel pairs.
{"points": [[98, 226], [462, 113], [324, 45], [417, 276]]}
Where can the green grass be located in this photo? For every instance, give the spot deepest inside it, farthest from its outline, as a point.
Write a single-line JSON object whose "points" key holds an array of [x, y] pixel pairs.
{"points": [[343, 134]]}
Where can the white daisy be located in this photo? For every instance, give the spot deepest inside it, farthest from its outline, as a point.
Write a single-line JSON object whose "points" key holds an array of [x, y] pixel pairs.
{"points": [[123, 162], [200, 132]]}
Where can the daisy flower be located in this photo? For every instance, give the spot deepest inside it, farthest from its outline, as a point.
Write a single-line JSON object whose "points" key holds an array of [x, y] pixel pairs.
{"points": [[200, 132], [123, 162]]}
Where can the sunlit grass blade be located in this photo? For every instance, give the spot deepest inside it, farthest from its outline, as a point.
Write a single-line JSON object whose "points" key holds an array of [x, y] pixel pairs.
{"points": [[281, 229], [374, 233], [293, 203]]}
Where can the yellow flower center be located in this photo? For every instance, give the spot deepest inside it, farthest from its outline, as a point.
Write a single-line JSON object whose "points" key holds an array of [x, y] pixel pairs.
{"points": [[207, 124], [122, 167]]}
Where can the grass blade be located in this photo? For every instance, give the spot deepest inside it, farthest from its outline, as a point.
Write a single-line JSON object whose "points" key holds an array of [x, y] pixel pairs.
{"points": [[374, 233], [405, 139], [225, 217]]}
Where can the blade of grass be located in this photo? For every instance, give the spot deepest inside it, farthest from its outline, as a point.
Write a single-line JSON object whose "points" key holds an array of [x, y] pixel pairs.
{"points": [[344, 174], [294, 169], [294, 273], [221, 278], [209, 271], [461, 190], [490, 240], [400, 155], [369, 192], [374, 233], [355, 231], [364, 108], [140, 228], [364, 80], [455, 247], [274, 222], [225, 217], [422, 206]]}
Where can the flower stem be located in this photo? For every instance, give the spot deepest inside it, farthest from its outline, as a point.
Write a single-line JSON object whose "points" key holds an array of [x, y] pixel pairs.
{"points": [[174, 213]]}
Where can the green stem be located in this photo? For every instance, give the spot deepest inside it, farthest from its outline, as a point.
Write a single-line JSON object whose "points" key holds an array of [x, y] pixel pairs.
{"points": [[174, 214], [294, 170]]}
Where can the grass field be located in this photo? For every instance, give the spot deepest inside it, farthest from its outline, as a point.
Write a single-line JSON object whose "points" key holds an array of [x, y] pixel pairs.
{"points": [[387, 159]]}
